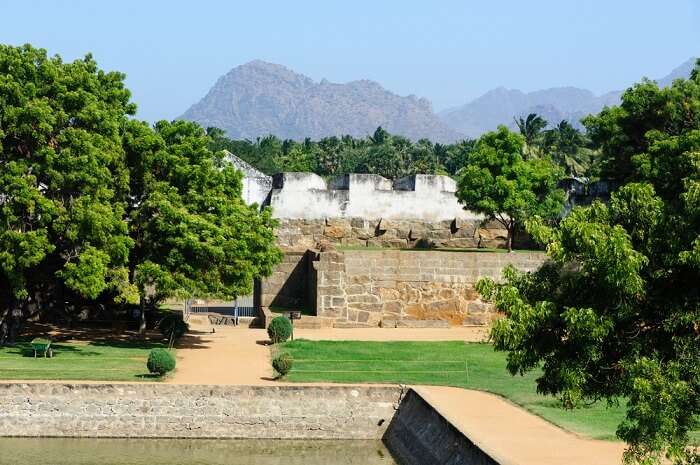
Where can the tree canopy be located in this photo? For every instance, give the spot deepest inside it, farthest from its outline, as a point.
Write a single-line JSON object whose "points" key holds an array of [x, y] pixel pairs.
{"points": [[96, 207], [500, 184], [615, 312]]}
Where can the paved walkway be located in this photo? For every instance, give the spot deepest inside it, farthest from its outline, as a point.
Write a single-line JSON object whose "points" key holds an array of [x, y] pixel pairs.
{"points": [[513, 436], [237, 355]]}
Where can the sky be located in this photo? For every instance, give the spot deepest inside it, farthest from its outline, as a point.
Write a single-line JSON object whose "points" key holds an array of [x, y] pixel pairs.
{"points": [[447, 51]]}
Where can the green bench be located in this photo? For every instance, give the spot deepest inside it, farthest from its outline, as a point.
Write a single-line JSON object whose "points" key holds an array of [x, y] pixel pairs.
{"points": [[42, 346]]}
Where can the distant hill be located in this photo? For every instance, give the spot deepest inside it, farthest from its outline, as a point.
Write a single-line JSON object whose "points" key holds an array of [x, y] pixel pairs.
{"points": [[501, 105], [260, 98]]}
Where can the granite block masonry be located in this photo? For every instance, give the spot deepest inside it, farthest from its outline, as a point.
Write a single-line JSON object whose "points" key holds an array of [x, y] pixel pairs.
{"points": [[401, 288], [413, 430], [394, 288], [196, 411], [367, 212]]}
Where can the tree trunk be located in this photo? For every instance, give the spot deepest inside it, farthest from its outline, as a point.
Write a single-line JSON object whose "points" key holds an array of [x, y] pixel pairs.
{"points": [[511, 233], [142, 316], [9, 326], [4, 326]]}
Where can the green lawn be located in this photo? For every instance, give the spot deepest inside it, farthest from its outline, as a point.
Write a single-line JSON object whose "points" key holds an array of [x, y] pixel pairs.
{"points": [[77, 361], [455, 363]]}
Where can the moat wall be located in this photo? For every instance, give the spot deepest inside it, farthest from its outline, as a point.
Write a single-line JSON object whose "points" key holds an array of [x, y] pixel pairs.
{"points": [[172, 411], [413, 430]]}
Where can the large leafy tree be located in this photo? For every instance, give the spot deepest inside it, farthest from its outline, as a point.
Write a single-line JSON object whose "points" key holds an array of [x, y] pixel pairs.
{"points": [[498, 183], [62, 170], [192, 232], [96, 208], [615, 313]]}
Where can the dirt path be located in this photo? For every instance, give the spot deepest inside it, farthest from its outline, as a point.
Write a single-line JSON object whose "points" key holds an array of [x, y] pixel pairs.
{"points": [[513, 436]]}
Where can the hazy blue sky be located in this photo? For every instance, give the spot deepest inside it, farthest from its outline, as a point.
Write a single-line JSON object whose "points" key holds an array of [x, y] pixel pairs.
{"points": [[447, 51]]}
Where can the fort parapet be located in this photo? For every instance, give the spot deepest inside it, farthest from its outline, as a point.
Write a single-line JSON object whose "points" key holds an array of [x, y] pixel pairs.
{"points": [[369, 210]]}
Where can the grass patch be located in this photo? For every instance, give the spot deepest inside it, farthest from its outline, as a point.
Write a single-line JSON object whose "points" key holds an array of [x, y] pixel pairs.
{"points": [[78, 361], [451, 363]]}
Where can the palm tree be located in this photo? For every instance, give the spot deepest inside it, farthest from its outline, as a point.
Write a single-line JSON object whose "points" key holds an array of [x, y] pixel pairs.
{"points": [[567, 147], [531, 127]]}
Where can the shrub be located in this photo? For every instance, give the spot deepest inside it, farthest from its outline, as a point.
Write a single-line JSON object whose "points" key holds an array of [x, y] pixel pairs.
{"points": [[160, 361], [173, 325], [283, 364], [280, 329]]}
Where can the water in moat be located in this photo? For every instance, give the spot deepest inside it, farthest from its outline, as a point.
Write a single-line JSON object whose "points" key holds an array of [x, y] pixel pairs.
{"points": [[52, 451]]}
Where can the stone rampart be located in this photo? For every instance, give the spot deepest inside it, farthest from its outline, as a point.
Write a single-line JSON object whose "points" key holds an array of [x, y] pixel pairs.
{"points": [[196, 411], [403, 288], [369, 210], [300, 234]]}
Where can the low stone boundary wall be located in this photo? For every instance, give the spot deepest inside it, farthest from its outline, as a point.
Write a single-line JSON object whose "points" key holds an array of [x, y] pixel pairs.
{"points": [[420, 435], [178, 411]]}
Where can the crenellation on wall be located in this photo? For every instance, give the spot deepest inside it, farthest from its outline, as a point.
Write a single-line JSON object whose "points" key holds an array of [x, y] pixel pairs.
{"points": [[426, 198]]}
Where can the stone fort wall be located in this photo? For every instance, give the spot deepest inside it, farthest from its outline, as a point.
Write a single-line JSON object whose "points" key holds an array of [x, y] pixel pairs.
{"points": [[360, 211], [401, 288], [390, 287], [368, 210]]}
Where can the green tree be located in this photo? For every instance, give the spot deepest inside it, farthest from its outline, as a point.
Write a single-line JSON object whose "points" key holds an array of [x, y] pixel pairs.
{"points": [[97, 208], [566, 145], [454, 157], [192, 232], [62, 234], [615, 313], [531, 128], [498, 183]]}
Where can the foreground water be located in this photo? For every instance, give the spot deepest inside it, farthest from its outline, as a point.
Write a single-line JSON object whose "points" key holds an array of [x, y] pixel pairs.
{"points": [[50, 451]]}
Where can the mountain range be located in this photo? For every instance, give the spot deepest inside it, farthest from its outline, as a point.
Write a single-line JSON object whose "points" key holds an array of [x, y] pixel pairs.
{"points": [[501, 105], [259, 98]]}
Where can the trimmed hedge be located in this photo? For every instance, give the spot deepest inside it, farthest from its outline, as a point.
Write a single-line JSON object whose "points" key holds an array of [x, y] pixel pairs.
{"points": [[173, 325], [280, 329], [160, 361], [283, 364]]}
